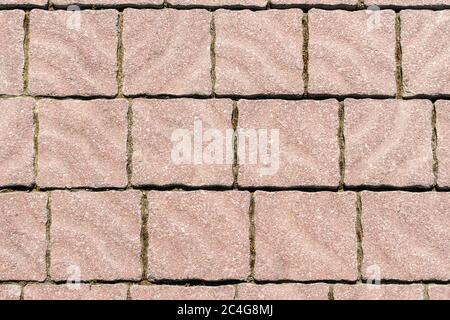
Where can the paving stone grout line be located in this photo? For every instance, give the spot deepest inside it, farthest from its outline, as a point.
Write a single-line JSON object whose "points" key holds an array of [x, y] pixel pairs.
{"points": [[35, 141], [252, 239], [212, 30], [120, 54], [144, 235], [398, 57], [129, 164], [434, 146], [359, 237], [341, 141], [48, 226], [26, 46], [234, 124], [305, 53]]}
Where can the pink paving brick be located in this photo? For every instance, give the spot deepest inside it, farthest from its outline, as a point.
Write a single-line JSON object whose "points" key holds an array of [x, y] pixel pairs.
{"points": [[291, 291], [406, 3], [298, 138], [259, 52], [108, 2], [378, 292], [12, 54], [220, 3], [305, 236], [198, 235], [73, 53], [426, 52], [352, 52], [388, 142], [439, 292], [75, 292], [406, 235], [314, 2], [22, 235], [16, 140], [167, 52], [182, 141], [10, 292], [12, 3], [96, 235], [165, 292], [443, 142], [82, 143]]}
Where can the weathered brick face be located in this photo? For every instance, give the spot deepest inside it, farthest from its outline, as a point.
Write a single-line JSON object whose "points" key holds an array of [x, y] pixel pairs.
{"points": [[224, 149]]}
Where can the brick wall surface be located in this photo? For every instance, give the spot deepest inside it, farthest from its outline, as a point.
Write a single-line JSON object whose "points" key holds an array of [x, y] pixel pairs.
{"points": [[225, 149]]}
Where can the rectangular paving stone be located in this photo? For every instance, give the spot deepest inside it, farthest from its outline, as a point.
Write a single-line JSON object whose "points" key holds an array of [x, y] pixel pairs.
{"points": [[439, 292], [75, 292], [425, 52], [378, 292], [73, 53], [198, 235], [182, 141], [406, 3], [443, 142], [352, 52], [388, 142], [167, 292], [220, 3], [12, 53], [305, 236], [166, 52], [16, 140], [288, 143], [314, 2], [291, 291], [10, 292], [96, 235], [258, 53], [107, 2], [12, 3], [82, 143], [406, 235], [22, 235]]}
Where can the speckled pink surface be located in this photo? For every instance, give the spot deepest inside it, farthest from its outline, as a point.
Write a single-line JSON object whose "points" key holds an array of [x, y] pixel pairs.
{"points": [[224, 150]]}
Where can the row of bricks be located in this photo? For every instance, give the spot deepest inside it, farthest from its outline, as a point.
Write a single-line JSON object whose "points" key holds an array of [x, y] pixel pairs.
{"points": [[207, 235], [216, 3], [246, 291], [84, 143], [196, 52]]}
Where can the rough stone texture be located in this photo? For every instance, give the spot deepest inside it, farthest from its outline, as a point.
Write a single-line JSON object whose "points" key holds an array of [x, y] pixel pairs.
{"points": [[406, 3], [290, 291], [163, 127], [308, 146], [167, 52], [75, 292], [198, 235], [352, 52], [24, 2], [12, 54], [10, 292], [314, 2], [65, 60], [220, 3], [166, 292], [97, 234], [378, 292], [16, 140], [22, 235], [443, 142], [108, 2], [426, 52], [305, 236], [259, 52], [388, 142], [439, 292], [82, 143], [406, 235]]}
